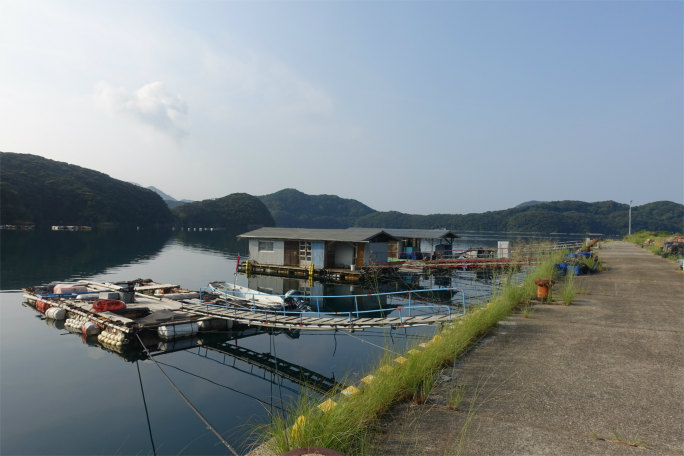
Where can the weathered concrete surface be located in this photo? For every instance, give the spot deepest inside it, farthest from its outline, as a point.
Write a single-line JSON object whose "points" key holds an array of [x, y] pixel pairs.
{"points": [[568, 380]]}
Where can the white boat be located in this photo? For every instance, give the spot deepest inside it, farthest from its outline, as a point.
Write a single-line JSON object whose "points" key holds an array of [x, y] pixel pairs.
{"points": [[255, 297]]}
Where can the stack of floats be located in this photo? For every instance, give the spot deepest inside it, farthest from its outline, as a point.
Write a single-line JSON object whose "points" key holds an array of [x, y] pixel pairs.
{"points": [[115, 311]]}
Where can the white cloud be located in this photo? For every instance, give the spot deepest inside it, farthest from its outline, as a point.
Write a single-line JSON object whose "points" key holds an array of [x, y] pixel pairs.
{"points": [[152, 104]]}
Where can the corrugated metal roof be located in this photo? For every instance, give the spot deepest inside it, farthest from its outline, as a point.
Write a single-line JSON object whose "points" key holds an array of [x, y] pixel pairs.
{"points": [[319, 234]]}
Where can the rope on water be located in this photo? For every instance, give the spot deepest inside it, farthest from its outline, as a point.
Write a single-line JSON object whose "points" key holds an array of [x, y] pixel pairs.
{"points": [[187, 401], [147, 415], [371, 343], [213, 382]]}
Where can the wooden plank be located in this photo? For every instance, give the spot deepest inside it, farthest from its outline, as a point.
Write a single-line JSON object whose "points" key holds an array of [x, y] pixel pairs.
{"points": [[429, 318], [290, 321], [362, 321], [287, 319], [320, 321]]}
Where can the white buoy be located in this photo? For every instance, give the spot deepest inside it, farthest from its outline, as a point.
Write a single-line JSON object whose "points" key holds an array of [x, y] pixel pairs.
{"points": [[55, 313], [177, 331], [90, 329]]}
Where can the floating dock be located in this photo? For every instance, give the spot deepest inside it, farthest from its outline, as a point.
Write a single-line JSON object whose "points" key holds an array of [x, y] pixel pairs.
{"points": [[118, 313], [348, 321]]}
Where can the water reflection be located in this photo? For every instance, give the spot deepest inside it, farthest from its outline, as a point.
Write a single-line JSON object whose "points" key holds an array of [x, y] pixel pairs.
{"points": [[36, 257], [229, 352], [93, 382], [224, 241]]}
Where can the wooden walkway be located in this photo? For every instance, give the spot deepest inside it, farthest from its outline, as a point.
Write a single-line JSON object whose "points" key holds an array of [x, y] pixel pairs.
{"points": [[346, 321]]}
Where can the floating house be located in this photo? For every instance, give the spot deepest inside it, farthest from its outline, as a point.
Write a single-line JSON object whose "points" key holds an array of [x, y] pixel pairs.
{"points": [[421, 244], [349, 249]]}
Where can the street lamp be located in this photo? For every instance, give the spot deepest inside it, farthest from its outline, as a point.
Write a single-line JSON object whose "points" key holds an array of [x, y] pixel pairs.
{"points": [[630, 216]]}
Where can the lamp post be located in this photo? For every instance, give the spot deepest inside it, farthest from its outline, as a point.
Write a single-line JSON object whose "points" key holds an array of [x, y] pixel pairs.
{"points": [[630, 217]]}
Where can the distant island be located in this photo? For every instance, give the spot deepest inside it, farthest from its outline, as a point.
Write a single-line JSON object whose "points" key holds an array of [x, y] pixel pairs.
{"points": [[42, 192]]}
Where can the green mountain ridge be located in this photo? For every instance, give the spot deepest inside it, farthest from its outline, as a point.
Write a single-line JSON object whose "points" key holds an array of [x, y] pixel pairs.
{"points": [[234, 210], [36, 190], [292, 208]]}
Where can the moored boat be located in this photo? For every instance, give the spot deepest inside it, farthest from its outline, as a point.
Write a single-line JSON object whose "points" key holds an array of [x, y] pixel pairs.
{"points": [[255, 298]]}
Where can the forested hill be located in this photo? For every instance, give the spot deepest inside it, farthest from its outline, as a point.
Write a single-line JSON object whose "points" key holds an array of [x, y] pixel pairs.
{"points": [[607, 217], [36, 190], [237, 211], [292, 208]]}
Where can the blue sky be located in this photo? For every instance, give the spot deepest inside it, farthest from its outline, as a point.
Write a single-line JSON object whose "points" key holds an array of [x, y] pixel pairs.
{"points": [[420, 107]]}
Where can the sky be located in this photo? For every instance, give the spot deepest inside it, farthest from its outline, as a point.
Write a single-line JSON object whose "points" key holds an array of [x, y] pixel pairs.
{"points": [[415, 106]]}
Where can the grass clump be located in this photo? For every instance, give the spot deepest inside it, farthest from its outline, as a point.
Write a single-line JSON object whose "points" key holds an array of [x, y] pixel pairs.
{"points": [[455, 397], [568, 291], [526, 310], [629, 441], [348, 426]]}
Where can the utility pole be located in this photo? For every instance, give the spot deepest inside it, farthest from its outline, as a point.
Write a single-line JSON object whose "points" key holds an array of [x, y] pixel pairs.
{"points": [[630, 216]]}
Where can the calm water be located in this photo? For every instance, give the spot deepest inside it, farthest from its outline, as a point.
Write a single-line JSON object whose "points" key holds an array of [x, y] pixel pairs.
{"points": [[62, 394]]}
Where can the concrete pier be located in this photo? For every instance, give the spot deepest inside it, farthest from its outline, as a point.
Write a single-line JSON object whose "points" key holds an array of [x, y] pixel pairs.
{"points": [[604, 375]]}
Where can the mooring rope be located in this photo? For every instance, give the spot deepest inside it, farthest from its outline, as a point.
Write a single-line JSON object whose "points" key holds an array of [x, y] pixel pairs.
{"points": [[275, 356], [187, 401], [371, 343], [147, 415], [213, 382]]}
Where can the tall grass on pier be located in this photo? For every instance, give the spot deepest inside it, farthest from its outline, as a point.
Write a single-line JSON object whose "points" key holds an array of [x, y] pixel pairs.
{"points": [[349, 426], [654, 241], [568, 290]]}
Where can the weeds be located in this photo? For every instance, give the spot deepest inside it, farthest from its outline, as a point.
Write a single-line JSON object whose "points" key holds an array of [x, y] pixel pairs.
{"points": [[464, 435], [475, 403], [526, 310], [620, 439], [654, 241], [455, 397], [348, 426], [629, 441], [424, 390], [568, 291]]}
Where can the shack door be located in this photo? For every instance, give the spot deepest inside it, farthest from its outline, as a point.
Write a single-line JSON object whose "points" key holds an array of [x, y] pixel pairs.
{"points": [[330, 248], [291, 253], [359, 254]]}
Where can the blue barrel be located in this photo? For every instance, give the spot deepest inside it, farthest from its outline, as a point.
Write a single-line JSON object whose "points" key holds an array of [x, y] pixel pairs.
{"points": [[560, 268], [577, 270]]}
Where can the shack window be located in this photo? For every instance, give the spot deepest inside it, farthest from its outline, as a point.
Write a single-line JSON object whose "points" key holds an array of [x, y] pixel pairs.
{"points": [[265, 246], [305, 250]]}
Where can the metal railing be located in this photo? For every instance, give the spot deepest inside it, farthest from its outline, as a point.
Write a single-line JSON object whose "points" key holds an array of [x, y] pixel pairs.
{"points": [[403, 310]]}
